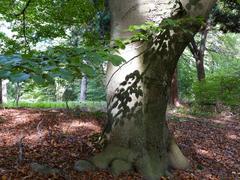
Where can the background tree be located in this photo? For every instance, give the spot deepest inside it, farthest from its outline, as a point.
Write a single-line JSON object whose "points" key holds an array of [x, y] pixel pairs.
{"points": [[224, 14], [174, 96], [83, 90]]}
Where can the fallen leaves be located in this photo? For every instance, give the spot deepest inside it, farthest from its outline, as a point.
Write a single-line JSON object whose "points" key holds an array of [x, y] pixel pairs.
{"points": [[61, 139]]}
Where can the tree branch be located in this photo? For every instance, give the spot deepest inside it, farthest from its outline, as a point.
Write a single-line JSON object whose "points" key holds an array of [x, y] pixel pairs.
{"points": [[191, 48], [24, 9], [24, 34], [194, 45]]}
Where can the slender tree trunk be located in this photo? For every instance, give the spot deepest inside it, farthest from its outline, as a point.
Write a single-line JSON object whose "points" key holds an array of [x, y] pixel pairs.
{"points": [[198, 52], [174, 98], [138, 91], [4, 91], [1, 93], [18, 94], [83, 92], [59, 91]]}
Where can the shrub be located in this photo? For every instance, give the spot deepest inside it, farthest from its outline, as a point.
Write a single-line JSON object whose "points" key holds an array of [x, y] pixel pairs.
{"points": [[218, 88]]}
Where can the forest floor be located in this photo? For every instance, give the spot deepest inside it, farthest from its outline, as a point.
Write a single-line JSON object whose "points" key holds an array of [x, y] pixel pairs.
{"points": [[59, 138]]}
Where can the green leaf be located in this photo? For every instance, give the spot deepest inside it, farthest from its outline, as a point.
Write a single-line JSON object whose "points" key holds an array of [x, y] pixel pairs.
{"points": [[115, 59], [38, 79], [65, 74], [19, 77], [120, 44], [88, 70], [4, 74]]}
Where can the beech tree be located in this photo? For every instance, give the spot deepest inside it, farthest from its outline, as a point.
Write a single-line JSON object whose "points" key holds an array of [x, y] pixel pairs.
{"points": [[138, 90]]}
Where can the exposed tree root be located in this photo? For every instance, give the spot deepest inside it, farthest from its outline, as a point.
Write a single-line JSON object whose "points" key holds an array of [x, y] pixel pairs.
{"points": [[176, 158], [150, 164]]}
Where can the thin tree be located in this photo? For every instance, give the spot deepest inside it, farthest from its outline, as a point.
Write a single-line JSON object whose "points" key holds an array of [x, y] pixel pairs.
{"points": [[174, 97], [83, 90]]}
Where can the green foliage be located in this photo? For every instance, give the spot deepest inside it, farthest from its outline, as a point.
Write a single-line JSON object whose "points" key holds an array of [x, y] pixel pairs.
{"points": [[46, 18], [69, 95], [187, 75], [217, 88], [221, 63], [149, 29], [90, 105], [59, 62], [227, 14], [43, 21], [96, 89]]}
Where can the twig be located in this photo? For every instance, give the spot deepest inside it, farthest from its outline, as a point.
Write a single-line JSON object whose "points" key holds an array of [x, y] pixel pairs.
{"points": [[21, 149], [39, 130], [29, 176]]}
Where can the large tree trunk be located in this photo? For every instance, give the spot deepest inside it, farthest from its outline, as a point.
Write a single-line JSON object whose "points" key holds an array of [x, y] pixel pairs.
{"points": [[83, 90], [138, 91]]}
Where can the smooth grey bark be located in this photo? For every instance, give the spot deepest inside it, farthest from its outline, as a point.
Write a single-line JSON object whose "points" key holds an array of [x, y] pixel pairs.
{"points": [[4, 91], [138, 91], [83, 90]]}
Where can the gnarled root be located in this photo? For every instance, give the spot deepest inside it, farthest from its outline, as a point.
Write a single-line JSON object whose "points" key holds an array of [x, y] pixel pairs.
{"points": [[150, 164]]}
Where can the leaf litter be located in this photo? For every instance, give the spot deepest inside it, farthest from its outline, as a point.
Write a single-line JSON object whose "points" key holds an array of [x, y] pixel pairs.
{"points": [[58, 138]]}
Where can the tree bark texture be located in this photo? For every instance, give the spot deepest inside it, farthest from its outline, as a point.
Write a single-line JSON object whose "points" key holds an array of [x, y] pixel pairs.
{"points": [[138, 90], [83, 91]]}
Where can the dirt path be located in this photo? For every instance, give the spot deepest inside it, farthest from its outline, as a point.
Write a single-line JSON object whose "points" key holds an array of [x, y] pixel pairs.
{"points": [[58, 138]]}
